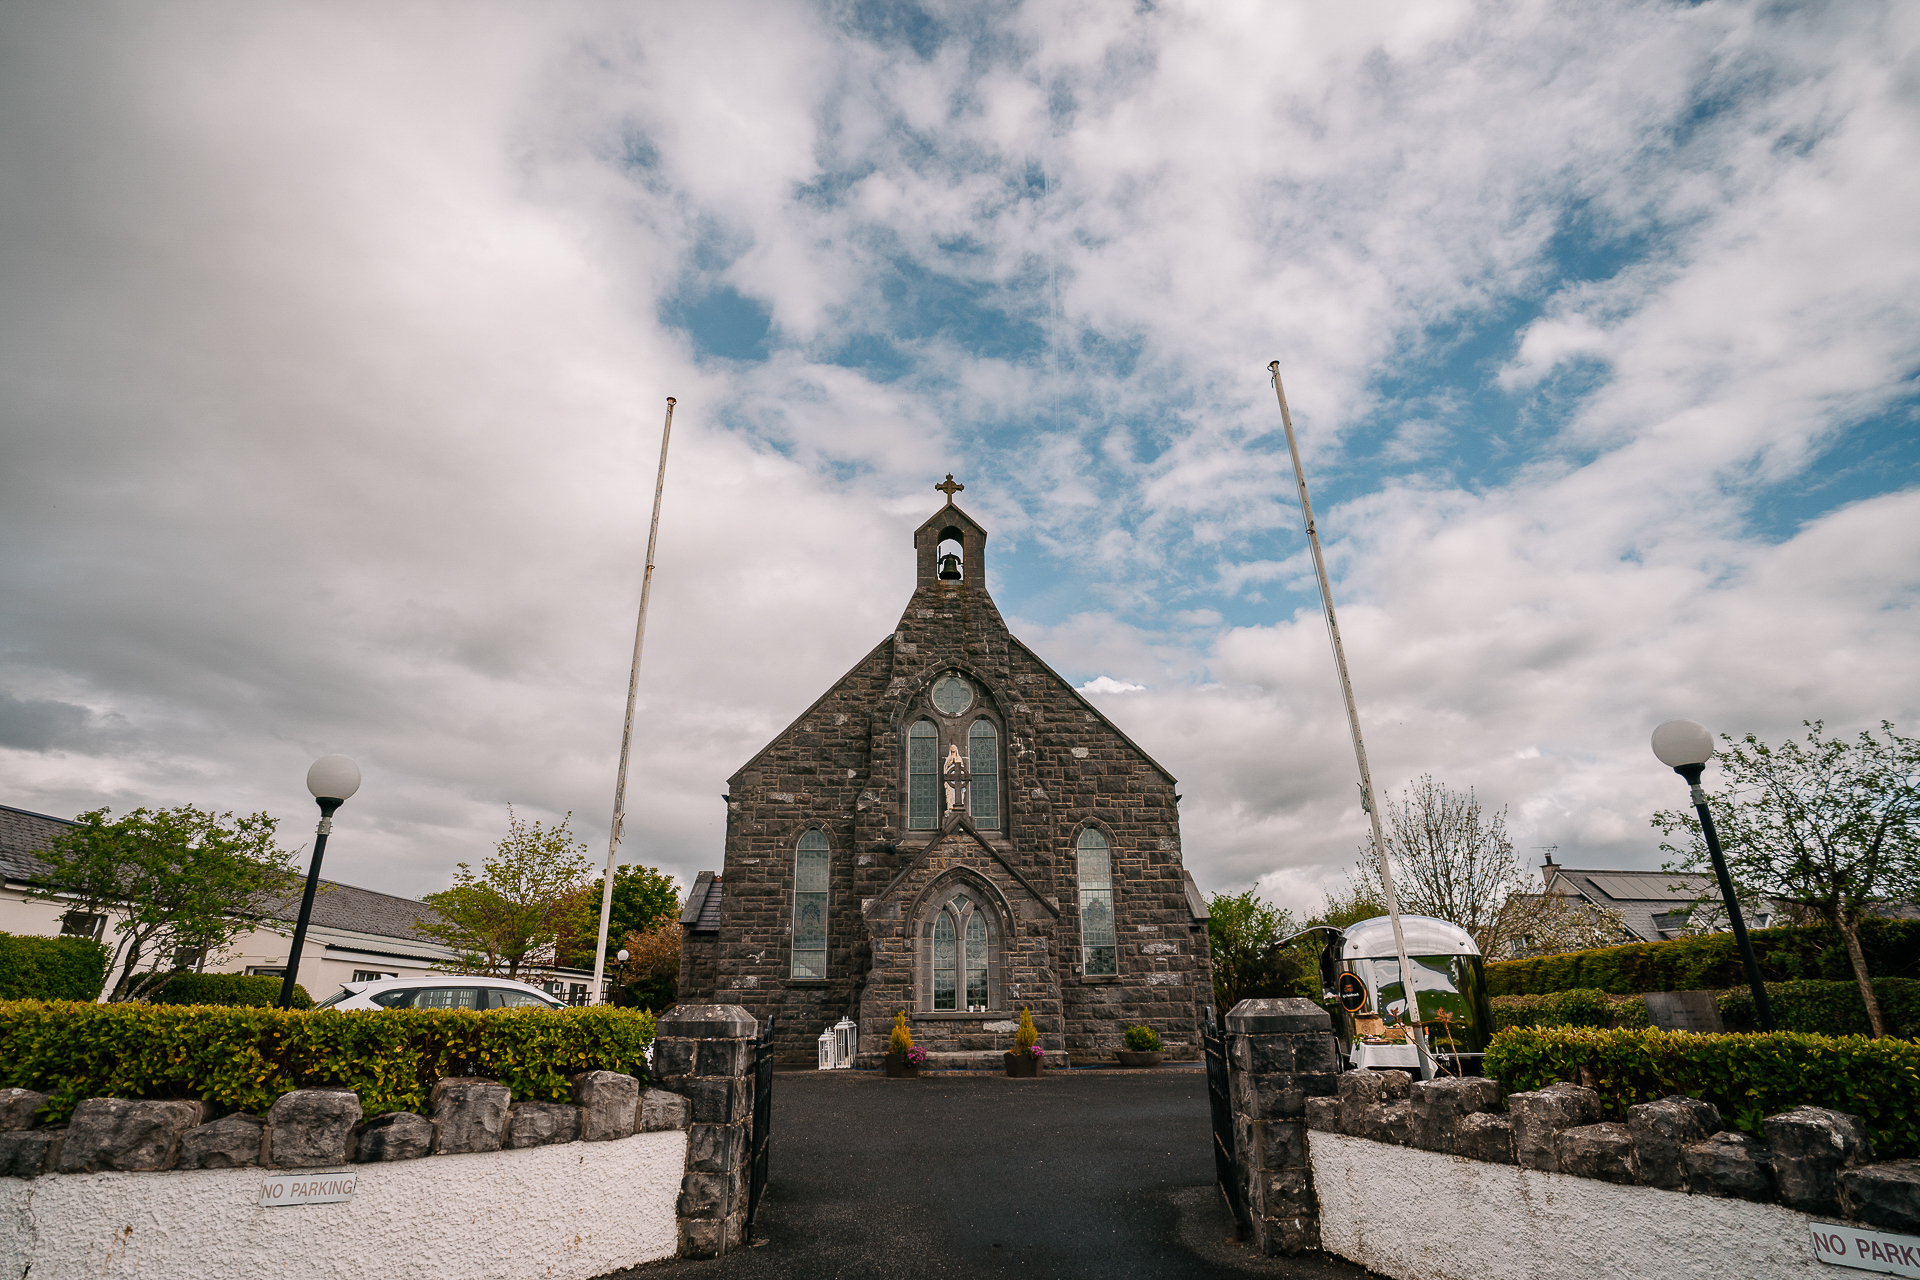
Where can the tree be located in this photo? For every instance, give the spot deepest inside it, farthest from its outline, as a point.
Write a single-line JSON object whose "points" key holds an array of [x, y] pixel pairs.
{"points": [[1828, 826], [180, 883], [650, 977], [1249, 961], [1449, 860], [529, 907], [642, 898], [1550, 924]]}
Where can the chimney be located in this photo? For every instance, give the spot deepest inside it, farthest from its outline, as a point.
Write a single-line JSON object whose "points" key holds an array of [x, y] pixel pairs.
{"points": [[1547, 868]]}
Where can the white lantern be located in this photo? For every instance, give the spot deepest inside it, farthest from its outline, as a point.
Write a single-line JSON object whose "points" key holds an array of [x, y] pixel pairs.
{"points": [[846, 1043]]}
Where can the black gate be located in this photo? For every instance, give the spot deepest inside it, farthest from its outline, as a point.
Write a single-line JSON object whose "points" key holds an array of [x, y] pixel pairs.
{"points": [[762, 1122], [1220, 1096]]}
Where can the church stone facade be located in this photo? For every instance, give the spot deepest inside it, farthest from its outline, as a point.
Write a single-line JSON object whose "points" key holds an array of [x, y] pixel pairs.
{"points": [[953, 831]]}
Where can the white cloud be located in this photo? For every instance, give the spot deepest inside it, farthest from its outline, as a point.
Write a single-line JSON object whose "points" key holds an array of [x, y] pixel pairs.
{"points": [[1107, 684], [332, 360]]}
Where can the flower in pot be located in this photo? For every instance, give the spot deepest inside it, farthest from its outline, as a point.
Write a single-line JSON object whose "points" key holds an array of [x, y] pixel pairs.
{"points": [[1025, 1057], [903, 1055], [1143, 1048]]}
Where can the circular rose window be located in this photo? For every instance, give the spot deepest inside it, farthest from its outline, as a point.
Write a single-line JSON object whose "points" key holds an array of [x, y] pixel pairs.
{"points": [[952, 695]]}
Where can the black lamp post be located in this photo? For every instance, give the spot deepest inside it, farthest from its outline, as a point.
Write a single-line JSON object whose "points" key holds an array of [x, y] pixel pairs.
{"points": [[1685, 746], [333, 780]]}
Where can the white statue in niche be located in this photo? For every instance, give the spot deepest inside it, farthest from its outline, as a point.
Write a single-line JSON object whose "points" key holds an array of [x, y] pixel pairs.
{"points": [[956, 771]]}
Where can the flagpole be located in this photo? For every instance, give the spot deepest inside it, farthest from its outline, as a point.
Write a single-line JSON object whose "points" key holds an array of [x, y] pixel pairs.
{"points": [[1353, 723], [626, 733]]}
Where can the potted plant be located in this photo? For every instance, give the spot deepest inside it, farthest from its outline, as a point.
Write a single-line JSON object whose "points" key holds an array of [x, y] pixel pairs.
{"points": [[903, 1055], [1024, 1059], [1143, 1048]]}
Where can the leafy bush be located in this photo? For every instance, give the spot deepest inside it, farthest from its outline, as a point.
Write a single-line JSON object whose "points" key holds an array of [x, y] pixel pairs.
{"points": [[1711, 961], [36, 968], [1143, 1039], [1749, 1077], [1581, 1007], [902, 1039], [233, 989], [1025, 1038], [1828, 1008], [243, 1058]]}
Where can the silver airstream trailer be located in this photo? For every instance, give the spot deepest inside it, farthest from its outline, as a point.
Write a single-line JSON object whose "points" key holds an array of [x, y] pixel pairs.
{"points": [[1363, 979]]}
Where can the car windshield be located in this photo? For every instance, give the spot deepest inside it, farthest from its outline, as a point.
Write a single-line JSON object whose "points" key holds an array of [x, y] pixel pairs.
{"points": [[334, 999]]}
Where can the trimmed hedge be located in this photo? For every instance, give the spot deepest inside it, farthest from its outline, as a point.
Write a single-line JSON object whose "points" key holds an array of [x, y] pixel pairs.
{"points": [[1828, 1008], [1582, 1007], [241, 1059], [231, 989], [1711, 961], [39, 968], [1749, 1077]]}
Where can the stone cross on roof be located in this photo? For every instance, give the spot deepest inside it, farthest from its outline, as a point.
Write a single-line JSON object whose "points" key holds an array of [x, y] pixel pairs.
{"points": [[950, 488]]}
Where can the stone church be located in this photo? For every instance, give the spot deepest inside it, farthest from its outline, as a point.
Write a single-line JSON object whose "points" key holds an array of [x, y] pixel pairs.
{"points": [[952, 830]]}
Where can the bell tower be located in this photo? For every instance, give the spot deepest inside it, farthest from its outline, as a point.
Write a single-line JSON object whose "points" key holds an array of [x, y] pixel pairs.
{"points": [[951, 547]]}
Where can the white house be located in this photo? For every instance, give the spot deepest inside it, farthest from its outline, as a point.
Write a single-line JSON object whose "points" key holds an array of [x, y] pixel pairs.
{"points": [[354, 935]]}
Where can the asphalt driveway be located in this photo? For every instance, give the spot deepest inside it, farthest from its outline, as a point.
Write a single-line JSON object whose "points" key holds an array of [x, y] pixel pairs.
{"points": [[1094, 1174]]}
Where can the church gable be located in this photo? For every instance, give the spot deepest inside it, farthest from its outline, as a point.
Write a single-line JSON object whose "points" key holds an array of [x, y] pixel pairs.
{"points": [[952, 829]]}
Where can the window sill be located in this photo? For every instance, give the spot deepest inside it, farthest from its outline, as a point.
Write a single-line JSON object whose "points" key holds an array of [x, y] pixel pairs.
{"points": [[961, 1015], [807, 982], [1099, 978]]}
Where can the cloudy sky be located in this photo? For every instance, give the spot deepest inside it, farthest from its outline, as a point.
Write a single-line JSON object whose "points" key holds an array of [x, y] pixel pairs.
{"points": [[335, 339]]}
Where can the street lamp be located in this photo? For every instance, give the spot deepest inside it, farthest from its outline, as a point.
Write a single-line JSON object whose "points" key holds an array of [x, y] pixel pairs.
{"points": [[1685, 746], [333, 780]]}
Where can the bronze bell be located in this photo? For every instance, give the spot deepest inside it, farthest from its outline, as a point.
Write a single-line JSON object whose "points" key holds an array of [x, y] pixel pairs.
{"points": [[949, 568]]}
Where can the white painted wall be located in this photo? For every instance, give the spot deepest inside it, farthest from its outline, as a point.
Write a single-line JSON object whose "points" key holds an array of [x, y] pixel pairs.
{"points": [[1419, 1215], [568, 1212]]}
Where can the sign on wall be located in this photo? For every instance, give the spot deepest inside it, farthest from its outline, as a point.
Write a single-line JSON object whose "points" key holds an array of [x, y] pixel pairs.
{"points": [[1869, 1250], [306, 1188]]}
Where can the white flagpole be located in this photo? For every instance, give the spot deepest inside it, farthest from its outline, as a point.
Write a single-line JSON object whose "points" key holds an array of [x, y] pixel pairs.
{"points": [[1353, 722], [626, 733]]}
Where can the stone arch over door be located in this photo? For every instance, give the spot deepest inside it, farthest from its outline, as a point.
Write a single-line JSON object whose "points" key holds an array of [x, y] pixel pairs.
{"points": [[959, 899]]}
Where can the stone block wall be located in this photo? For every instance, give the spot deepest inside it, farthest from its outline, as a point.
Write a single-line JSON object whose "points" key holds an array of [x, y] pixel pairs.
{"points": [[1281, 1060], [840, 769], [705, 1054]]}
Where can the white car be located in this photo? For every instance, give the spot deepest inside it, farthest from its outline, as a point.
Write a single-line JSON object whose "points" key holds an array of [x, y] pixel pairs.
{"points": [[440, 992]]}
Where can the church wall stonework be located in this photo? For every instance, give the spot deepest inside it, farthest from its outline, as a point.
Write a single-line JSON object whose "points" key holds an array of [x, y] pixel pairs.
{"points": [[841, 769]]}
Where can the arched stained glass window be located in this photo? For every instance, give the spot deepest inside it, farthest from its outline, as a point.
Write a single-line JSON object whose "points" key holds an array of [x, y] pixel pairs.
{"points": [[976, 961], [983, 766], [943, 962], [959, 957], [1099, 955], [810, 906], [923, 776]]}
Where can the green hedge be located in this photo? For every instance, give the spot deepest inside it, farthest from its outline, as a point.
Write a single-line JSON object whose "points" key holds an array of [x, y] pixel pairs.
{"points": [[1828, 1008], [232, 989], [1749, 1077], [241, 1059], [37, 968], [1582, 1007], [1711, 961]]}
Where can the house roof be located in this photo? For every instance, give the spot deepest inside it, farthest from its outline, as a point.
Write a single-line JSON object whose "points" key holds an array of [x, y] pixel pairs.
{"points": [[25, 835], [1643, 898], [702, 912]]}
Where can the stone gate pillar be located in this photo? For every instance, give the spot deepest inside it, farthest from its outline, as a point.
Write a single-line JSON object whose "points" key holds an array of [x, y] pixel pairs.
{"points": [[1279, 1054], [704, 1052]]}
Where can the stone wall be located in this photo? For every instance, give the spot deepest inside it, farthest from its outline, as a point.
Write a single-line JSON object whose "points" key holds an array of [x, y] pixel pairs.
{"points": [[1424, 1215], [202, 1170], [1280, 1056], [839, 768], [567, 1209], [1487, 1183]]}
